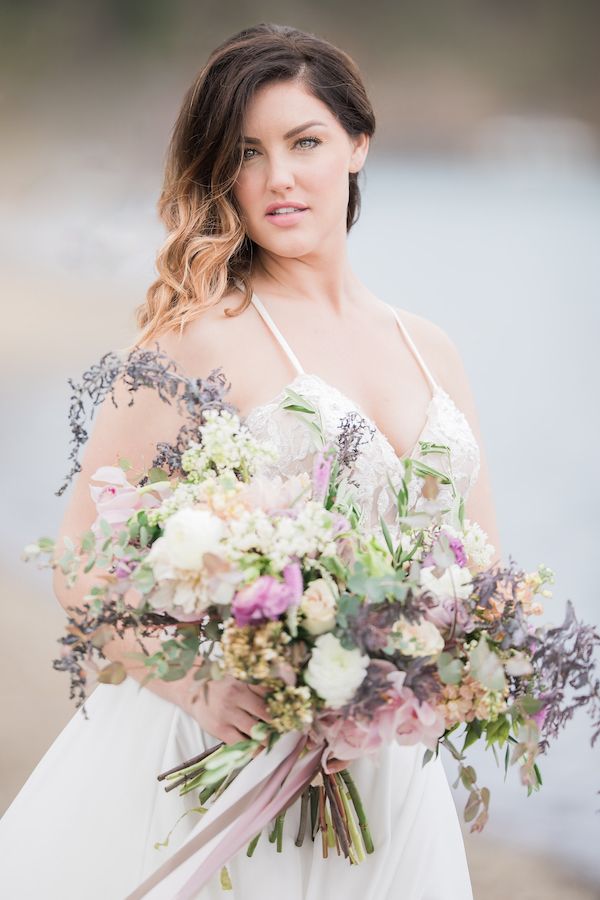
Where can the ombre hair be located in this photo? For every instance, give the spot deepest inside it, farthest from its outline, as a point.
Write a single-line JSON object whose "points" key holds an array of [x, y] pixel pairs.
{"points": [[207, 251]]}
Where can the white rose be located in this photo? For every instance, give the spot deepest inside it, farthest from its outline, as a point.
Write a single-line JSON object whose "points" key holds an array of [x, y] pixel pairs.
{"points": [[188, 535], [455, 581], [418, 639], [318, 606], [333, 672]]}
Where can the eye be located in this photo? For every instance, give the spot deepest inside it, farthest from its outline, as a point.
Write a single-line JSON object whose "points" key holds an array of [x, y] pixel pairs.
{"points": [[313, 140]]}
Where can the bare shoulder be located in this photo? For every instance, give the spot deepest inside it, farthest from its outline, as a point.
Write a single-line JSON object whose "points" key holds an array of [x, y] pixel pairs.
{"points": [[210, 340], [435, 345], [130, 424]]}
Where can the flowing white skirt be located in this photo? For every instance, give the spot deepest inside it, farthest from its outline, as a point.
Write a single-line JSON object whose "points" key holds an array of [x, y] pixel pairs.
{"points": [[84, 825]]}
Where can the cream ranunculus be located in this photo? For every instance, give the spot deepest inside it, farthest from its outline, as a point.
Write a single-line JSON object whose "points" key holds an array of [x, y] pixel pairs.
{"points": [[455, 581], [416, 639], [318, 606], [333, 672], [188, 535]]}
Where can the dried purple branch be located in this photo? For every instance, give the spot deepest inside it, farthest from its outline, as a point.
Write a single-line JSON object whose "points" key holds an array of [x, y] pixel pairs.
{"points": [[352, 434], [150, 369], [369, 628], [564, 662], [511, 628], [85, 636]]}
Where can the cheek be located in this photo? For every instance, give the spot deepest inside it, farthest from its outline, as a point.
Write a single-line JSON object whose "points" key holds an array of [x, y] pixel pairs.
{"points": [[245, 193], [328, 186]]}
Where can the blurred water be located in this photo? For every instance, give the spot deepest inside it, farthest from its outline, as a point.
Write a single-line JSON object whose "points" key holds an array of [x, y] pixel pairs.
{"points": [[505, 258]]}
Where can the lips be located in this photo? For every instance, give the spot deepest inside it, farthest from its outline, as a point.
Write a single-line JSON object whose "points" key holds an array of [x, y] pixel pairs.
{"points": [[289, 205]]}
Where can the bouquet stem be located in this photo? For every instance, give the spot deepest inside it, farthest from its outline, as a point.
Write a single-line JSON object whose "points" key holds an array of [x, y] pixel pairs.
{"points": [[360, 812], [252, 844], [303, 817], [190, 762]]}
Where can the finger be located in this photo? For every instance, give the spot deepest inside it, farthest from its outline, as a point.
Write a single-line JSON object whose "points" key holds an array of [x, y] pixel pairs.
{"points": [[260, 689], [232, 735], [256, 706], [244, 722]]}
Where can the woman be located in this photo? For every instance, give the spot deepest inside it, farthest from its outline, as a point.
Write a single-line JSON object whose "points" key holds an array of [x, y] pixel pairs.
{"points": [[259, 196]]}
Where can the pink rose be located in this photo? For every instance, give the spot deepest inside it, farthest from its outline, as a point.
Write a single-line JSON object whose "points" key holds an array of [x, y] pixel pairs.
{"points": [[267, 597], [444, 613]]}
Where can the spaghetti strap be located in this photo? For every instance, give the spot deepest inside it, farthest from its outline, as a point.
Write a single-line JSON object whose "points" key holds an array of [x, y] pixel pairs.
{"points": [[413, 347], [277, 334]]}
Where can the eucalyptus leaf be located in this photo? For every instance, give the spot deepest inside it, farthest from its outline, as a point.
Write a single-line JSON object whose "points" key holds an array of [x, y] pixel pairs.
{"points": [[486, 666], [114, 673], [450, 668]]}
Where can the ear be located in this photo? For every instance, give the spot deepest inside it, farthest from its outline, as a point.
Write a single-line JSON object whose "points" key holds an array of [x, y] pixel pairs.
{"points": [[359, 152]]}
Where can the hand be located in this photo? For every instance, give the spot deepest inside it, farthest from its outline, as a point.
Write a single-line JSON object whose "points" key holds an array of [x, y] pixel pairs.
{"points": [[229, 709]]}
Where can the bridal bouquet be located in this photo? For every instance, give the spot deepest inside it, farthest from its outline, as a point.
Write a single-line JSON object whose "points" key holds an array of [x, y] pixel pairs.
{"points": [[358, 638]]}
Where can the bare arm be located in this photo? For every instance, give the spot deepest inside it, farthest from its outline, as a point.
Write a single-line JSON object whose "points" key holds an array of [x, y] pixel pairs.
{"points": [[133, 432]]}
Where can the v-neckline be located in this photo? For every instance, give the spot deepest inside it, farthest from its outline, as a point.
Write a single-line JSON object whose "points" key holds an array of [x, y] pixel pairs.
{"points": [[437, 390]]}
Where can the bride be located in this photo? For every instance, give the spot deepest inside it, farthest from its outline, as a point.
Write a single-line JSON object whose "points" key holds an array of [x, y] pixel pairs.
{"points": [[260, 192]]}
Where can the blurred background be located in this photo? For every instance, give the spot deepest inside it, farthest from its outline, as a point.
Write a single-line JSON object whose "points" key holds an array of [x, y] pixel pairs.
{"points": [[481, 211]]}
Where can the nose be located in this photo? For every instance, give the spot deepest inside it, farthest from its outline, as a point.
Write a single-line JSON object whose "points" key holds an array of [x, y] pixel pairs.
{"points": [[280, 176]]}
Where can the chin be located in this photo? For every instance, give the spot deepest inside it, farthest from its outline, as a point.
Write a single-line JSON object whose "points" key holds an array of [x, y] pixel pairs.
{"points": [[289, 246]]}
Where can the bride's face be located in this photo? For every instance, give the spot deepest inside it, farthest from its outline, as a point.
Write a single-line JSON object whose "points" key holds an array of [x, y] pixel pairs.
{"points": [[297, 153]]}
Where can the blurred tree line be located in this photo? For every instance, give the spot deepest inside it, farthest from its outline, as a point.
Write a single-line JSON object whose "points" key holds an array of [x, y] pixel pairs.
{"points": [[420, 59]]}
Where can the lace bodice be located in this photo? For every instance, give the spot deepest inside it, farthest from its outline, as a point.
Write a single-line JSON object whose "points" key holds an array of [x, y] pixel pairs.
{"points": [[296, 446], [446, 442]]}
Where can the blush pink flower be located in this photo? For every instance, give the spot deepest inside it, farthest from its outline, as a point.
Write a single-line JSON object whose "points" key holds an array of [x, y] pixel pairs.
{"points": [[449, 613], [118, 499], [415, 722], [400, 717], [320, 474], [267, 597]]}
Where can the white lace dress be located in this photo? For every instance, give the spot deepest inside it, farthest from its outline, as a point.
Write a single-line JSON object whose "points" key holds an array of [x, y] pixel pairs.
{"points": [[85, 823]]}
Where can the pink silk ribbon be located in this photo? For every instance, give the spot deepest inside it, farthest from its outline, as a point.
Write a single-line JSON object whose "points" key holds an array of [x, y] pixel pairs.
{"points": [[269, 783]]}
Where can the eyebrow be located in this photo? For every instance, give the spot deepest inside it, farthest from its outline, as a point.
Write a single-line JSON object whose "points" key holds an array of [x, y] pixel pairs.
{"points": [[288, 134]]}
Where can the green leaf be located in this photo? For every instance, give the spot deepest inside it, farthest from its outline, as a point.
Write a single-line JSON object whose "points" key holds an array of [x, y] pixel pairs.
{"points": [[528, 704], [486, 666], [473, 733], [114, 673], [472, 806], [450, 668], [225, 880], [45, 544], [426, 757], [386, 534], [485, 796], [156, 474], [468, 776]]}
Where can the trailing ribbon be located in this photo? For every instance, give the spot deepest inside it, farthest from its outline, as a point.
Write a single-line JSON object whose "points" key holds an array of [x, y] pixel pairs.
{"points": [[270, 782]]}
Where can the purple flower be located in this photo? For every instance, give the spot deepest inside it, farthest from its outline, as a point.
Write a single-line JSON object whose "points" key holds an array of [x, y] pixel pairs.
{"points": [[320, 474], [267, 597], [540, 716], [124, 567], [457, 547]]}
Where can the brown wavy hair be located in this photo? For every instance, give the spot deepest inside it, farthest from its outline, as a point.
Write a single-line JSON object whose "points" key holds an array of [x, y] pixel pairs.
{"points": [[207, 251]]}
